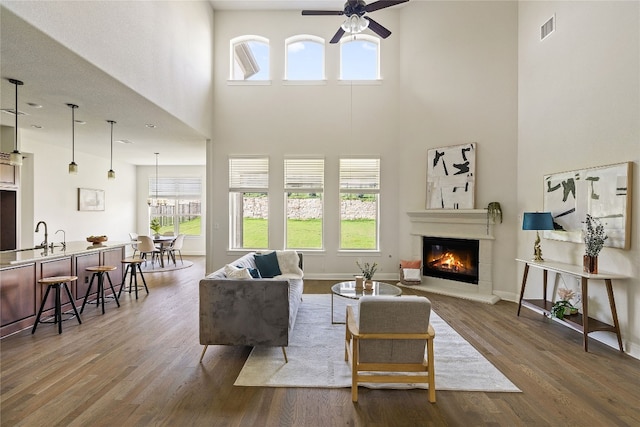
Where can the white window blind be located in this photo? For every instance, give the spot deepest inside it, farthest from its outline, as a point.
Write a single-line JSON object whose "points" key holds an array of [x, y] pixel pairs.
{"points": [[304, 175], [175, 187], [362, 175], [248, 174]]}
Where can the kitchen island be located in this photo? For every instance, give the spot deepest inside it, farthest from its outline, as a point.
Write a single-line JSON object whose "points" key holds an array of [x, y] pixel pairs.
{"points": [[20, 270]]}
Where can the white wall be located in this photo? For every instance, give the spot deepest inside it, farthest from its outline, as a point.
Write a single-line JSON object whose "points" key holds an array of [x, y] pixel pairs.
{"points": [[579, 107], [193, 245], [160, 49], [458, 84]]}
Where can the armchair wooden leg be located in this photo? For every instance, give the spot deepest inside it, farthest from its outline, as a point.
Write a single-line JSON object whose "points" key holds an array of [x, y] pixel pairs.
{"points": [[203, 352], [285, 355], [354, 370], [431, 374]]}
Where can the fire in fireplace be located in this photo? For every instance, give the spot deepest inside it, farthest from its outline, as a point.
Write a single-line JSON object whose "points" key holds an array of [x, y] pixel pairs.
{"points": [[449, 258]]}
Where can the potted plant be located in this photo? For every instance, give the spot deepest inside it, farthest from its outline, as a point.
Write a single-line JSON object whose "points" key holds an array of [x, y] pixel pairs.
{"points": [[155, 226], [563, 306], [594, 237], [368, 270]]}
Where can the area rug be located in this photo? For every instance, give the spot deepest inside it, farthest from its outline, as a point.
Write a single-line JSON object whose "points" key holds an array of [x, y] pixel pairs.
{"points": [[316, 356], [156, 268]]}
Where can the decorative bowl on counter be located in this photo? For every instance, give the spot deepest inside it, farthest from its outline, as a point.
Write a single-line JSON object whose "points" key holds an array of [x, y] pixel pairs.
{"points": [[96, 240]]}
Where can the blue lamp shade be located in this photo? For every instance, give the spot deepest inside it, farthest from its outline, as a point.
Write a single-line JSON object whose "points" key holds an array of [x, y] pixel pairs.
{"points": [[537, 221]]}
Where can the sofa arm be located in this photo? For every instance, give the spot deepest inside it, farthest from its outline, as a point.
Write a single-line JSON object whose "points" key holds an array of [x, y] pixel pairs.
{"points": [[248, 312]]}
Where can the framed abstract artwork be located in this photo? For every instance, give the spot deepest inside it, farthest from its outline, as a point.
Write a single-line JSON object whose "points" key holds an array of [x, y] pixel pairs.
{"points": [[451, 177], [603, 192], [90, 200]]}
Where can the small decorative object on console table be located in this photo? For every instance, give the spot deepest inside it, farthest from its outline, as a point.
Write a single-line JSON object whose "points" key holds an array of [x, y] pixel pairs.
{"points": [[594, 237], [368, 270], [563, 306], [537, 221]]}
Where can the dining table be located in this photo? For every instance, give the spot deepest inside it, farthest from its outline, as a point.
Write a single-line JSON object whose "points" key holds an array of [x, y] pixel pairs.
{"points": [[163, 242]]}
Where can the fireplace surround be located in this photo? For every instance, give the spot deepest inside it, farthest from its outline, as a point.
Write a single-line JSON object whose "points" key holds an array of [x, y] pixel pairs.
{"points": [[451, 225]]}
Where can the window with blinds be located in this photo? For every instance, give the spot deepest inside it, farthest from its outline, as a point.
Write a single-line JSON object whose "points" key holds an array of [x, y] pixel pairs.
{"points": [[359, 203], [304, 186], [177, 204], [248, 202]]}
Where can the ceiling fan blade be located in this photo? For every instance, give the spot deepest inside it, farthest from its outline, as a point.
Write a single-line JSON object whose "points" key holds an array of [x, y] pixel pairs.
{"points": [[336, 38], [381, 4], [323, 12], [377, 28]]}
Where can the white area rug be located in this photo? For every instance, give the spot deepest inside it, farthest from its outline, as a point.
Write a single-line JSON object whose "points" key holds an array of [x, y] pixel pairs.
{"points": [[168, 266], [316, 356]]}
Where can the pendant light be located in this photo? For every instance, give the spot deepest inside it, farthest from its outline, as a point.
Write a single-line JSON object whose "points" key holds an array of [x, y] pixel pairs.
{"points": [[15, 158], [111, 174], [73, 167]]}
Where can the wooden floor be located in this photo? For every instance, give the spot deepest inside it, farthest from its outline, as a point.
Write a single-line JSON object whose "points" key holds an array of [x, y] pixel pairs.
{"points": [[137, 365]]}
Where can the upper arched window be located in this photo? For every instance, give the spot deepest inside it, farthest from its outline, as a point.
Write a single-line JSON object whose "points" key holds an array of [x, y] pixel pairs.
{"points": [[249, 58], [360, 58], [305, 58]]}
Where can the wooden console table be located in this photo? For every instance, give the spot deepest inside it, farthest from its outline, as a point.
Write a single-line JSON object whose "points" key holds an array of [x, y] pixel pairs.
{"points": [[579, 322]]}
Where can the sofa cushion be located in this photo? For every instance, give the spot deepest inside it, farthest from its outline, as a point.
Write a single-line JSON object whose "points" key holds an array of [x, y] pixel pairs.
{"points": [[267, 264]]}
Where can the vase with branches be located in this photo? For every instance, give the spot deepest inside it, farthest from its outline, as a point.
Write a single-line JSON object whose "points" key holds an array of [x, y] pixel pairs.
{"points": [[368, 270], [594, 237]]}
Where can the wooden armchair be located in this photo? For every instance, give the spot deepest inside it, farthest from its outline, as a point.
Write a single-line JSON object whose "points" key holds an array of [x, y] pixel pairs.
{"points": [[389, 334]]}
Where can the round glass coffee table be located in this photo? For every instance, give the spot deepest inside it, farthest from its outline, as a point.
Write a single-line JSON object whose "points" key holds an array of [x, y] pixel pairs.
{"points": [[348, 290]]}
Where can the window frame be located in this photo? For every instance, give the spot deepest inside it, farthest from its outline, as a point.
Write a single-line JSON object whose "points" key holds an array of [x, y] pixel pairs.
{"points": [[169, 189], [361, 38], [305, 38], [232, 59]]}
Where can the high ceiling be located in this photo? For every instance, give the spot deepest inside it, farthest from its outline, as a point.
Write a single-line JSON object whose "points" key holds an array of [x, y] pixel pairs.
{"points": [[54, 76]]}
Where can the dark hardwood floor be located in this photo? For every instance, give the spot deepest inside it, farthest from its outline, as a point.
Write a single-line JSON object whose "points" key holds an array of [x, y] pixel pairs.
{"points": [[137, 365]]}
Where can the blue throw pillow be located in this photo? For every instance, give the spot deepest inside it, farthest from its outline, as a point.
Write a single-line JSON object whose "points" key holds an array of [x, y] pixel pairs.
{"points": [[253, 271], [268, 265]]}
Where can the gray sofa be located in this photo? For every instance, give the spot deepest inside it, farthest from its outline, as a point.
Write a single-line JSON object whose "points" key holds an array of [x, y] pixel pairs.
{"points": [[252, 312]]}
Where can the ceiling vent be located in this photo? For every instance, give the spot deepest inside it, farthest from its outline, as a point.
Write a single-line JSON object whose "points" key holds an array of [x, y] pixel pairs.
{"points": [[548, 27]]}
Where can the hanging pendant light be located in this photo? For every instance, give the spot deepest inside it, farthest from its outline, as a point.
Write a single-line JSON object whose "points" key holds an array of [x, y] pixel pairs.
{"points": [[73, 167], [111, 174], [15, 158], [151, 201]]}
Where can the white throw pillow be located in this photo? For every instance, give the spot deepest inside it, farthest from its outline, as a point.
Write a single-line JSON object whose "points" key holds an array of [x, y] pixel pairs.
{"points": [[412, 274], [288, 261], [234, 272]]}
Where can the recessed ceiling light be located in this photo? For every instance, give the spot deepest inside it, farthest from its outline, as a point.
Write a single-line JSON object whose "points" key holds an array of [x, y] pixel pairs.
{"points": [[34, 105], [124, 141], [80, 122], [151, 126], [12, 111], [36, 126]]}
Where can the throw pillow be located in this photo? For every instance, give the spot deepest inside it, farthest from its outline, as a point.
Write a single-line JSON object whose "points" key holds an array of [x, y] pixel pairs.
{"points": [[412, 274], [233, 272], [289, 264], [410, 264], [268, 265], [253, 271]]}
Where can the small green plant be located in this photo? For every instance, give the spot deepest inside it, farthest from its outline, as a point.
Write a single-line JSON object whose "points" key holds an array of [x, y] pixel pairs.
{"points": [[155, 225], [561, 309], [368, 270]]}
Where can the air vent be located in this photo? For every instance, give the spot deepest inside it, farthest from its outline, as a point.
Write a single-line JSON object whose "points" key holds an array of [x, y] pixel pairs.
{"points": [[548, 27]]}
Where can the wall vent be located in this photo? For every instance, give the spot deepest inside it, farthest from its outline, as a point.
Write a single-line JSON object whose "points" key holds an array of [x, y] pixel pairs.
{"points": [[548, 27]]}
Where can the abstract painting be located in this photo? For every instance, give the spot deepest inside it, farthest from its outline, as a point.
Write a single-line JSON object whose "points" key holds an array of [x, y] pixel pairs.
{"points": [[90, 200], [451, 177], [604, 192]]}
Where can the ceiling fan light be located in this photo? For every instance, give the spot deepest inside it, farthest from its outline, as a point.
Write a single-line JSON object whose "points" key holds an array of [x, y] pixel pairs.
{"points": [[355, 24]]}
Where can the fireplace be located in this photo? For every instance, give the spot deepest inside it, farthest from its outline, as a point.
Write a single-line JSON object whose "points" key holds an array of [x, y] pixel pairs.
{"points": [[450, 258]]}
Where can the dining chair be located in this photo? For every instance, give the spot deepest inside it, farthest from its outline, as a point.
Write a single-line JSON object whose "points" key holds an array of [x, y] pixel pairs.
{"points": [[134, 238], [176, 246], [146, 246]]}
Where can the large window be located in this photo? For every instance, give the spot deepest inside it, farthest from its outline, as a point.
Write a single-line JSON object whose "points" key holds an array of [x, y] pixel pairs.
{"points": [[248, 202], [303, 186], [178, 204], [359, 203], [359, 58], [305, 58], [249, 58]]}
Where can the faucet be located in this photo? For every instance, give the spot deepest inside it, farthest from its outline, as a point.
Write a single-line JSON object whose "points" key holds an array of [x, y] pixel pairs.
{"points": [[46, 234], [64, 238]]}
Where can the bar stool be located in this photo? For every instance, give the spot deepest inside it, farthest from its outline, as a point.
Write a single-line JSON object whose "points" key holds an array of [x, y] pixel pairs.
{"points": [[133, 267], [55, 282], [100, 271]]}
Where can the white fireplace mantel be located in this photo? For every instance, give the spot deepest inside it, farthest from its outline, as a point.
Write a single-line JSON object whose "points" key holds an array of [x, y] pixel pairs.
{"points": [[457, 223]]}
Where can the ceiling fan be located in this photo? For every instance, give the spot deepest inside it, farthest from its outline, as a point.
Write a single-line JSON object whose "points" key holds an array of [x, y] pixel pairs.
{"points": [[356, 22]]}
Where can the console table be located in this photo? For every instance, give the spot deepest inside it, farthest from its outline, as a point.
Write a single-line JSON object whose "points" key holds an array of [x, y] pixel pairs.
{"points": [[579, 322]]}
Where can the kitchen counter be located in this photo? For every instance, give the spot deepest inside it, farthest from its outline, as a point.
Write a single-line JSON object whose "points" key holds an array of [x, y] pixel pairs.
{"points": [[16, 257]]}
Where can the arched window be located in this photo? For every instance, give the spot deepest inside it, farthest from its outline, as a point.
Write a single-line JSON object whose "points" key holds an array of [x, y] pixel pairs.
{"points": [[304, 58], [360, 57], [249, 58]]}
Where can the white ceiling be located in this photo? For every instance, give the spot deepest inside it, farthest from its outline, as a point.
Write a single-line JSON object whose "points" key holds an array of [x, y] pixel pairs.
{"points": [[54, 76]]}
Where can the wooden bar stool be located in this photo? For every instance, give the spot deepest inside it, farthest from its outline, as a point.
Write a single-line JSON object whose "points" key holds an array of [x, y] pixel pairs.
{"points": [[132, 268], [100, 271], [56, 282]]}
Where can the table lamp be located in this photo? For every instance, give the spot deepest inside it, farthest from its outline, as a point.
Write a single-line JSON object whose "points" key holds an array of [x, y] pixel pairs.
{"points": [[537, 221]]}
